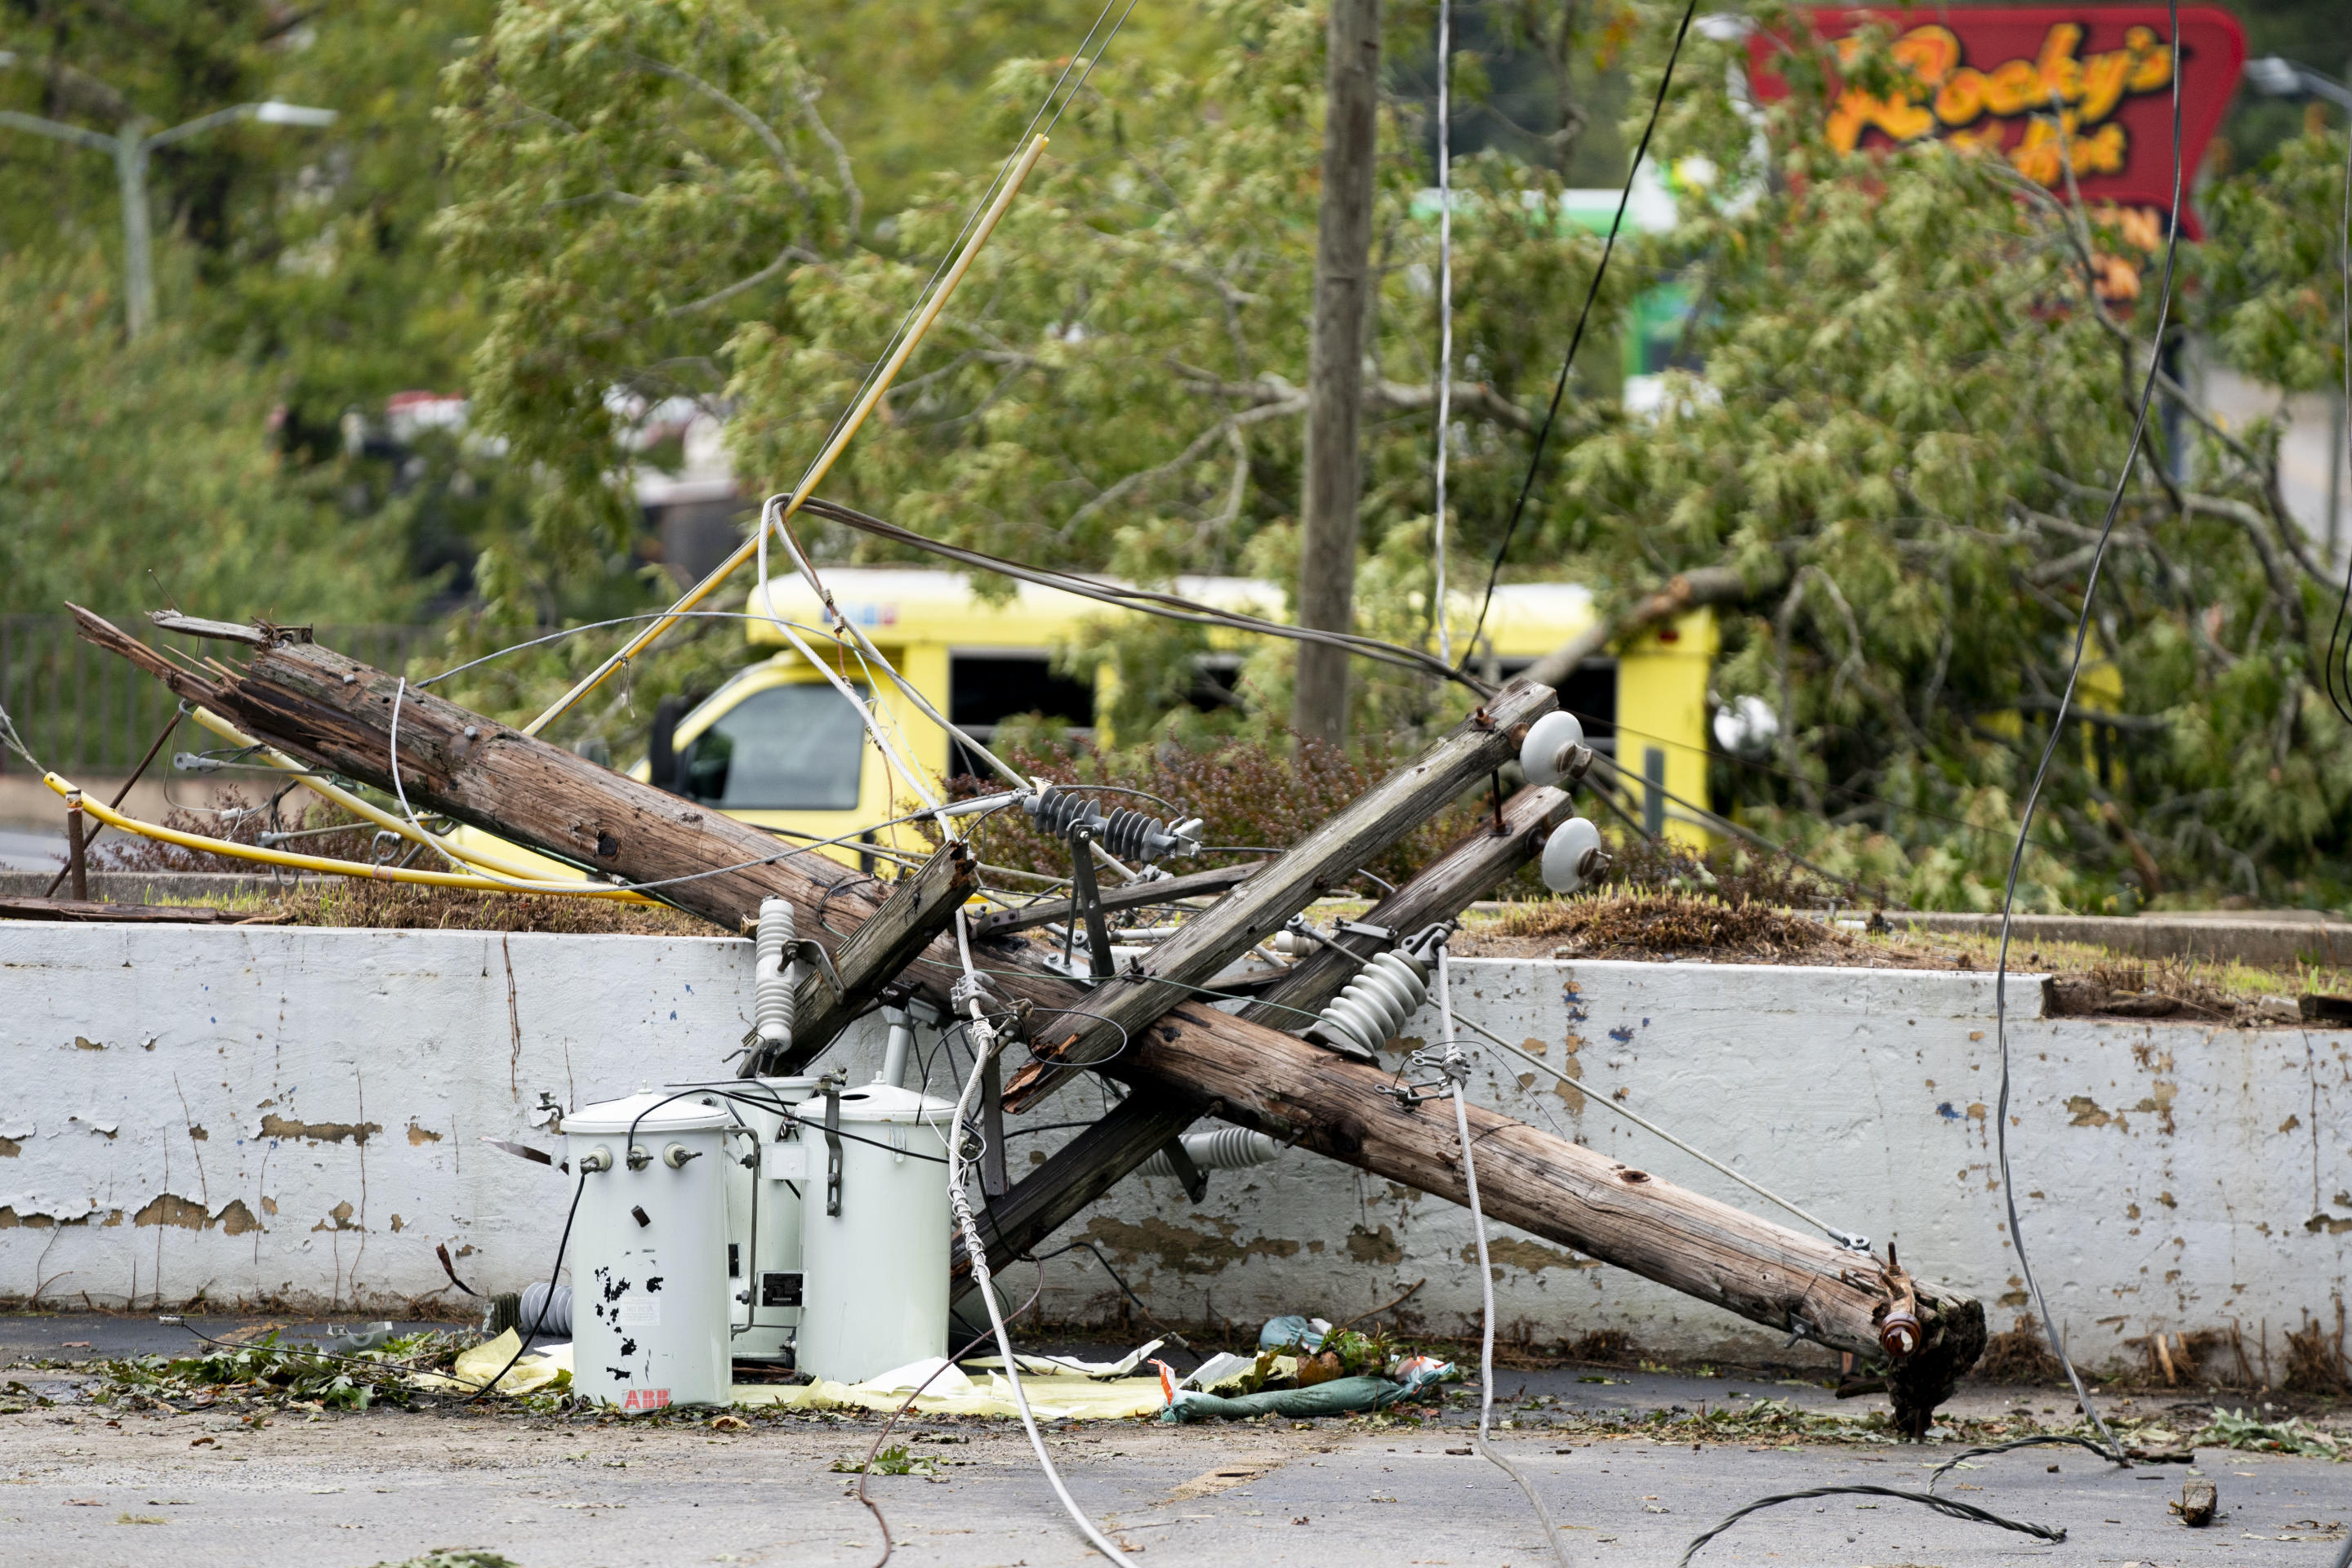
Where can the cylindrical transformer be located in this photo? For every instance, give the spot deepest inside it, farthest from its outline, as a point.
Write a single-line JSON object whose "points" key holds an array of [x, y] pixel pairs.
{"points": [[764, 1211], [874, 1231], [649, 1251]]}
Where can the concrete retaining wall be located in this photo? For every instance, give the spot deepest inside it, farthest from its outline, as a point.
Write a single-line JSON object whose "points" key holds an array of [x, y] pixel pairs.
{"points": [[300, 1114]]}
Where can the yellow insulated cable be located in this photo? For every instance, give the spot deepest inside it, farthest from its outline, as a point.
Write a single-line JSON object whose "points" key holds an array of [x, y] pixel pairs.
{"points": [[115, 819], [366, 810], [826, 459]]}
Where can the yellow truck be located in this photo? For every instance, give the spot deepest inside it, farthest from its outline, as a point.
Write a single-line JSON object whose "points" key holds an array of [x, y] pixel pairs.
{"points": [[776, 746]]}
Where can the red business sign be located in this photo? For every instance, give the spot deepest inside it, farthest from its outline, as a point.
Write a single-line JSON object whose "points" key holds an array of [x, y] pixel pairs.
{"points": [[2044, 86]]}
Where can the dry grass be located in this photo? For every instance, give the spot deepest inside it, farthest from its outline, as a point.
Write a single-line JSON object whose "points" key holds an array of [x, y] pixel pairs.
{"points": [[394, 906], [1636, 924]]}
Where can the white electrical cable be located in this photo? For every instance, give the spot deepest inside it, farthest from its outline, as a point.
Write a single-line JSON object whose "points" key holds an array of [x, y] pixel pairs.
{"points": [[771, 517], [832, 675], [1457, 1073], [400, 793], [1845, 1238], [1444, 304], [983, 1041]]}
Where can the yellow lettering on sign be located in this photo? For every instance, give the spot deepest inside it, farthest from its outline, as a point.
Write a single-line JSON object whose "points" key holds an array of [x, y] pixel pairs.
{"points": [[1940, 90]]}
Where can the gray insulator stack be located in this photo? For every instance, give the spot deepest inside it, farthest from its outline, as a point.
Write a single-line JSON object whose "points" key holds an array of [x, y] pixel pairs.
{"points": [[772, 981], [544, 1313], [1368, 1014], [1220, 1149], [1126, 834]]}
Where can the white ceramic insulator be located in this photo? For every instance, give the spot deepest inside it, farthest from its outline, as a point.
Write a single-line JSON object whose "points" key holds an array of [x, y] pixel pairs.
{"points": [[771, 983], [1551, 740], [1377, 1002], [1567, 855], [1220, 1149]]}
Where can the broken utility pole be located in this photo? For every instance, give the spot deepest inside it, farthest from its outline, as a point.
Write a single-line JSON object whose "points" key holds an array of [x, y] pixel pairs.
{"points": [[335, 713]]}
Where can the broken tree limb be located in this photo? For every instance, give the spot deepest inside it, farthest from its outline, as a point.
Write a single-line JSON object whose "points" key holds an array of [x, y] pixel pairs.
{"points": [[335, 713], [1323, 858], [1684, 590], [1104, 1154]]}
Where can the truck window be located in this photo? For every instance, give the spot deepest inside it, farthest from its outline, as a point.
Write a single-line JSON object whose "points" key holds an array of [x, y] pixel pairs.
{"points": [[1589, 692], [986, 688], [788, 748]]}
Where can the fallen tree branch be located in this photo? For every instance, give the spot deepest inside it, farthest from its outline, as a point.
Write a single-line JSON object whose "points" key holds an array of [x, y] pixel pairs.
{"points": [[1685, 591]]}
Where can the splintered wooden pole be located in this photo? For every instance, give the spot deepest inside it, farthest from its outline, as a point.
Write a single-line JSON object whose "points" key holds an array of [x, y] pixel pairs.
{"points": [[1323, 858], [1104, 1154], [335, 713]]}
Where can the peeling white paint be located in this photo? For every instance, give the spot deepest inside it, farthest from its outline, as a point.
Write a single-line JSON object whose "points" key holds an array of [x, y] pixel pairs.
{"points": [[299, 1088]]}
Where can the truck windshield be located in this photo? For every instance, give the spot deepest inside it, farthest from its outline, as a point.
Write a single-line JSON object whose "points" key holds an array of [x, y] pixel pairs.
{"points": [[788, 748]]}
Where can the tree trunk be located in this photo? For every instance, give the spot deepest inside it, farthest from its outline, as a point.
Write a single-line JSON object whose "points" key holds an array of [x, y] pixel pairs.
{"points": [[1335, 367]]}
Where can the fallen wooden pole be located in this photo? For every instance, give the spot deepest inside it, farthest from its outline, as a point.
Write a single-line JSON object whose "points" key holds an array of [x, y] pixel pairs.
{"points": [[1325, 857], [1103, 1155], [335, 713]]}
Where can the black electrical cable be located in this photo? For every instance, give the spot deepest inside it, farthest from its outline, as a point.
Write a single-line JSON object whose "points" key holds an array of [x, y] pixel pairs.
{"points": [[1148, 602], [2338, 673], [1753, 766], [1947, 1506], [538, 1322], [1126, 1289], [2047, 1441], [2050, 750], [1559, 387]]}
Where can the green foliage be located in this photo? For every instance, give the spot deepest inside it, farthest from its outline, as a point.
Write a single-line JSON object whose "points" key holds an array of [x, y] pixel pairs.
{"points": [[265, 1370], [2236, 1429], [1914, 409], [894, 1460], [1117, 385], [629, 172], [117, 460]]}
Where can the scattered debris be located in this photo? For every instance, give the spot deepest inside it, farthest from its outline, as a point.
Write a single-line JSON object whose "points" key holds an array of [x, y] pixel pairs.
{"points": [[267, 1372], [2018, 1355], [2198, 1503]]}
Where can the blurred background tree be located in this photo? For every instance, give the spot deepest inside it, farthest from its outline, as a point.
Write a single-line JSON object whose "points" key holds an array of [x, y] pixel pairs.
{"points": [[579, 213]]}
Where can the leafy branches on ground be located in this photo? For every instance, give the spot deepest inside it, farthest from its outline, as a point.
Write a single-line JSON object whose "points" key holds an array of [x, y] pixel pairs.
{"points": [[267, 1372]]}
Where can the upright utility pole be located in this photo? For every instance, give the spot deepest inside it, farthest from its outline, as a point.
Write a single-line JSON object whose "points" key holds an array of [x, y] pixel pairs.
{"points": [[1335, 367], [130, 147]]}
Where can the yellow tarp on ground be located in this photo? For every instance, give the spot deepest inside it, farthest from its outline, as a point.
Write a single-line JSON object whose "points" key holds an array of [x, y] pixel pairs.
{"points": [[548, 1368], [1065, 1396], [1050, 1398]]}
